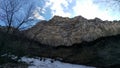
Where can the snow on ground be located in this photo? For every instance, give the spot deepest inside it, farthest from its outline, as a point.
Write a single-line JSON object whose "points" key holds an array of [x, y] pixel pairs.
{"points": [[49, 63], [45, 62]]}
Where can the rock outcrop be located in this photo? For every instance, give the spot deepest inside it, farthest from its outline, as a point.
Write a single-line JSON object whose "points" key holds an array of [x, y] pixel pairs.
{"points": [[67, 31]]}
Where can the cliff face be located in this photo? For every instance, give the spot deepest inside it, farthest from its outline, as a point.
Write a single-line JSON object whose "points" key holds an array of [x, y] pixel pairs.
{"points": [[67, 31]]}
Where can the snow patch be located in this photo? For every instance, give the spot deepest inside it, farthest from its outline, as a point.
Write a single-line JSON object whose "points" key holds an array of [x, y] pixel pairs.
{"points": [[44, 62], [10, 56], [49, 63]]}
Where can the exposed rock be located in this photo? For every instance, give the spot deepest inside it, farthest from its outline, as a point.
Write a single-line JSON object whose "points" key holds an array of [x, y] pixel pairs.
{"points": [[67, 31]]}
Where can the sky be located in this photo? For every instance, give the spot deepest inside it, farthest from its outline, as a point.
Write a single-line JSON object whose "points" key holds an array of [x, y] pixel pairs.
{"points": [[71, 8], [90, 9]]}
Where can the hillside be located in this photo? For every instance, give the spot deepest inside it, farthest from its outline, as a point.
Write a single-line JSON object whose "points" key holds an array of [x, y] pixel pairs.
{"points": [[88, 42], [103, 52], [67, 31]]}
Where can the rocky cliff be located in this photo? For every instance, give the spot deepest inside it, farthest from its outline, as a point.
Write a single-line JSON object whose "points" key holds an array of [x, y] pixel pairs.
{"points": [[67, 31]]}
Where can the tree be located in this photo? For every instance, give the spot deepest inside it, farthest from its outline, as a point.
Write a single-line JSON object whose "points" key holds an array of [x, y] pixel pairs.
{"points": [[16, 13]]}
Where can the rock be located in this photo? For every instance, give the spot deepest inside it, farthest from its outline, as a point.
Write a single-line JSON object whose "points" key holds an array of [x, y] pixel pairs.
{"points": [[67, 31]]}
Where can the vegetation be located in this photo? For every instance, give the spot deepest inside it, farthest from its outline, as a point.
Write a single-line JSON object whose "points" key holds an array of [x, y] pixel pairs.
{"points": [[17, 14], [13, 44], [102, 52]]}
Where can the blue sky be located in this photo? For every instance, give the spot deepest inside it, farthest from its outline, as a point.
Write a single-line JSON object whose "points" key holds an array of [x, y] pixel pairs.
{"points": [[71, 8], [46, 9]]}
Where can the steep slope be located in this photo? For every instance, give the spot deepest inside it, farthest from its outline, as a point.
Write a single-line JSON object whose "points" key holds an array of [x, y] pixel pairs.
{"points": [[67, 31]]}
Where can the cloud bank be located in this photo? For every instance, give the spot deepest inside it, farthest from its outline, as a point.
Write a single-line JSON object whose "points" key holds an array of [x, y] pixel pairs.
{"points": [[57, 7], [72, 8]]}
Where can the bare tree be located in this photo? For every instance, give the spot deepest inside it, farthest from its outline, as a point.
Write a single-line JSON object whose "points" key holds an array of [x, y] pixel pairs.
{"points": [[12, 13], [27, 18]]}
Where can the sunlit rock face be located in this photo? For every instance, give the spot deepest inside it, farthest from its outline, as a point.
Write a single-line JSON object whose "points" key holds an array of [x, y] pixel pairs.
{"points": [[67, 31]]}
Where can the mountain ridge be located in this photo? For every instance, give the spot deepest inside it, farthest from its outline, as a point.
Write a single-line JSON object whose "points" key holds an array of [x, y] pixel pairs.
{"points": [[67, 31]]}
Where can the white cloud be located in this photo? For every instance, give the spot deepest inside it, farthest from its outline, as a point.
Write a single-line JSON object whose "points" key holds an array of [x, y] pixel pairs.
{"points": [[89, 10], [37, 15], [86, 8], [41, 10], [57, 8]]}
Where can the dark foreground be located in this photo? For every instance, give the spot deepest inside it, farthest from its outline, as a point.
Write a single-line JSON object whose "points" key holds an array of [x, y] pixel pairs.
{"points": [[102, 53]]}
